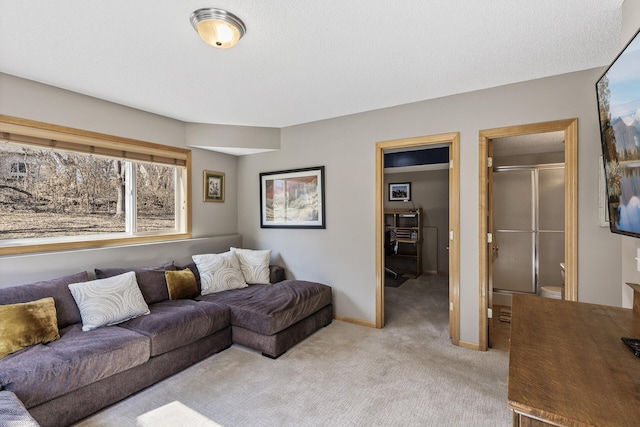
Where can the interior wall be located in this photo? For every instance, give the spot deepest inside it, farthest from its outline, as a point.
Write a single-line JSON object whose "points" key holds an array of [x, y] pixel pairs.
{"points": [[429, 191], [343, 255], [34, 101], [29, 268]]}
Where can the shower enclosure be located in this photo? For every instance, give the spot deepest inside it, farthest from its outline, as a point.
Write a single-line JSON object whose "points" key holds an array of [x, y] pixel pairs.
{"points": [[528, 215]]}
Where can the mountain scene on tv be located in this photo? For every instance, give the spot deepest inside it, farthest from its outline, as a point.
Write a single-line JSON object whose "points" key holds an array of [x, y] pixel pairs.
{"points": [[619, 103]]}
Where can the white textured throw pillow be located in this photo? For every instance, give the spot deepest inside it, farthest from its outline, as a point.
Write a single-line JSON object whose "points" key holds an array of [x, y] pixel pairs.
{"points": [[219, 272], [254, 264], [106, 302]]}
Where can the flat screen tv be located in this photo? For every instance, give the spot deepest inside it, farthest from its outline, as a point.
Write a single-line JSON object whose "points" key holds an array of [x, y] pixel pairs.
{"points": [[619, 105]]}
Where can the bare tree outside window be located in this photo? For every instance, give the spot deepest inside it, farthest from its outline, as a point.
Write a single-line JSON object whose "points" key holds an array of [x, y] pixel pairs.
{"points": [[52, 193], [156, 201]]}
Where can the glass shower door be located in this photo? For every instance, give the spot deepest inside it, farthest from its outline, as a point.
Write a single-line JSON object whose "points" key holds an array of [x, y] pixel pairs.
{"points": [[550, 226], [514, 192], [528, 214]]}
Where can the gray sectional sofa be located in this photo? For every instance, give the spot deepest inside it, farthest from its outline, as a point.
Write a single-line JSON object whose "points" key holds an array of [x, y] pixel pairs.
{"points": [[65, 380]]}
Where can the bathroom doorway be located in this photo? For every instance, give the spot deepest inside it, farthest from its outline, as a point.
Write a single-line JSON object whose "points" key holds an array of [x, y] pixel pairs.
{"points": [[451, 140], [528, 216], [525, 231]]}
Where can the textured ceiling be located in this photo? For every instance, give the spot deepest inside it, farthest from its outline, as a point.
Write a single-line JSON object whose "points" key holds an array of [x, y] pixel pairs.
{"points": [[301, 60]]}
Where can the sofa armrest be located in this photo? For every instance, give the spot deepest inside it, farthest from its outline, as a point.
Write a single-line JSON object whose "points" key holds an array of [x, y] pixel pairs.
{"points": [[276, 274], [13, 412]]}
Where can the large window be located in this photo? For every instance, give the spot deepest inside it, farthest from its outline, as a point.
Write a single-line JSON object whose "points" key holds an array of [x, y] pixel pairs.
{"points": [[64, 188]]}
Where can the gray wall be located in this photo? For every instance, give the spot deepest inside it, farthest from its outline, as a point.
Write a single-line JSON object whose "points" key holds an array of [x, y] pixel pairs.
{"points": [[343, 255], [35, 267]]}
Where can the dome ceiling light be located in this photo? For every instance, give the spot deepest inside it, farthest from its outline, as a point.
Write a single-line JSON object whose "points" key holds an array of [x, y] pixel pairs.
{"points": [[217, 27]]}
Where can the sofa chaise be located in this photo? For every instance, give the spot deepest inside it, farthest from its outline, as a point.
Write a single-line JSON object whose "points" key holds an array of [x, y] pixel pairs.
{"points": [[64, 380]]}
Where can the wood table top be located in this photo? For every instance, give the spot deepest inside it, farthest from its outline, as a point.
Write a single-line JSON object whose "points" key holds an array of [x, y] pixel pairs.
{"points": [[568, 364]]}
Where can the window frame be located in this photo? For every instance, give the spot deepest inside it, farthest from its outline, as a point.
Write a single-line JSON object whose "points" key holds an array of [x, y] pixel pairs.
{"points": [[40, 134]]}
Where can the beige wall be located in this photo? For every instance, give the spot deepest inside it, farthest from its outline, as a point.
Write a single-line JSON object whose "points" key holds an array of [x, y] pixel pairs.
{"points": [[343, 255]]}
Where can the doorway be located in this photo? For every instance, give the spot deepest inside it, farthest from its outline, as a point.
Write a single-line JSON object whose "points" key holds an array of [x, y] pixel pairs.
{"points": [[488, 247], [528, 222], [452, 140]]}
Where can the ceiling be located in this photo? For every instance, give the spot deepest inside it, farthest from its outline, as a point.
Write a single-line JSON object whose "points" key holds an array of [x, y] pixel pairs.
{"points": [[300, 60]]}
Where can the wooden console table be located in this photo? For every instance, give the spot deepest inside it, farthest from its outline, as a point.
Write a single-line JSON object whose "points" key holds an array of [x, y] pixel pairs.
{"points": [[568, 365]]}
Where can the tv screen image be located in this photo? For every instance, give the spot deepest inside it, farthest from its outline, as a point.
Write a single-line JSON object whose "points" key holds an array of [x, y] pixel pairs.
{"points": [[618, 93]]}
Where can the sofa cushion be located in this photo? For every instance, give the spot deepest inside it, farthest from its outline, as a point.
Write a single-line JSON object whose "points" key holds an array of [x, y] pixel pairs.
{"points": [[26, 324], [194, 269], [181, 284], [106, 302], [13, 413], [173, 324], [219, 272], [268, 309], [66, 309], [276, 274], [254, 264], [151, 280], [45, 371]]}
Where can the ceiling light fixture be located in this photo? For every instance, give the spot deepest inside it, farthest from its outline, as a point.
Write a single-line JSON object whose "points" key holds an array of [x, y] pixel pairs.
{"points": [[217, 27]]}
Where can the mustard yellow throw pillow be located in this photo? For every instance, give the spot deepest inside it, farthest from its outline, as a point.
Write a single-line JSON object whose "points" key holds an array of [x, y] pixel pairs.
{"points": [[181, 284], [27, 324]]}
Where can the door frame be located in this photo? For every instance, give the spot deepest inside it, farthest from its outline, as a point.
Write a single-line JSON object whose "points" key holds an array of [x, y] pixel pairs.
{"points": [[453, 141], [570, 129]]}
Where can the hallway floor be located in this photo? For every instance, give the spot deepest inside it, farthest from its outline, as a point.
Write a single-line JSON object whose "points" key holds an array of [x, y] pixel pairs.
{"points": [[403, 304]]}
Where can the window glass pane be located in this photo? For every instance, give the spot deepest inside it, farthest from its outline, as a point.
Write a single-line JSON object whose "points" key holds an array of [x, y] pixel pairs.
{"points": [[46, 193], [155, 193]]}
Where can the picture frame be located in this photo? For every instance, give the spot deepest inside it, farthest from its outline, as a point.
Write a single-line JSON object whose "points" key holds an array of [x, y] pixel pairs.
{"points": [[400, 192], [293, 198], [212, 186]]}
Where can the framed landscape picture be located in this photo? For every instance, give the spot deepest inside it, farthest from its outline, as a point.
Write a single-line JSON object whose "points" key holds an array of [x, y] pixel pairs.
{"points": [[400, 192], [213, 186], [292, 198]]}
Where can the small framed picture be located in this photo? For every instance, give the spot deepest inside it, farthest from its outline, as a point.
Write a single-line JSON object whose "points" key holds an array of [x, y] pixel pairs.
{"points": [[400, 192], [213, 186]]}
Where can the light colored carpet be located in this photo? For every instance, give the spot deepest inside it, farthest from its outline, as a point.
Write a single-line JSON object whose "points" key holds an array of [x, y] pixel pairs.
{"points": [[406, 374]]}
